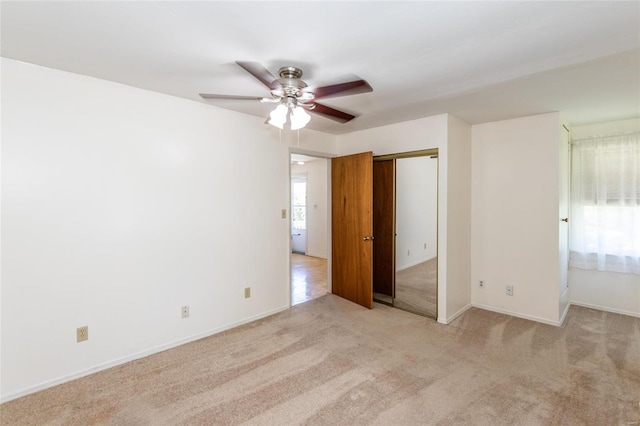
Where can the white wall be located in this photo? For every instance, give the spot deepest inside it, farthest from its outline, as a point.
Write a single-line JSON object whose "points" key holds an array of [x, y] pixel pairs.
{"points": [[425, 133], [605, 290], [122, 205], [317, 208], [514, 216], [458, 216], [605, 128], [416, 211], [414, 135], [608, 291]]}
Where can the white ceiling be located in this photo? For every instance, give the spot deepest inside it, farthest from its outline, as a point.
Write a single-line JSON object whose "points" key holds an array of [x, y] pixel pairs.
{"points": [[481, 61]]}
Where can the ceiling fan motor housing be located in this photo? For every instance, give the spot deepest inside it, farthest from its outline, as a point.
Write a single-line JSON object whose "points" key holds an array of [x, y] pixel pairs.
{"points": [[290, 81], [290, 72]]}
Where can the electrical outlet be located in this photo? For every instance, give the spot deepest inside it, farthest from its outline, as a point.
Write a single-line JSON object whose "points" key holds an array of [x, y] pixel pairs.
{"points": [[425, 245], [408, 252], [247, 292], [185, 312], [509, 290], [283, 213], [82, 333], [481, 284]]}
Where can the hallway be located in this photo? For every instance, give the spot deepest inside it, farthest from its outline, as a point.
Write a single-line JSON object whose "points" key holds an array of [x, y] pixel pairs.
{"points": [[308, 278]]}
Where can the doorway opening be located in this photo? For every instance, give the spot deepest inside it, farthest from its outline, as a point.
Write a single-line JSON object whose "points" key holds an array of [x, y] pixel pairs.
{"points": [[309, 227]]}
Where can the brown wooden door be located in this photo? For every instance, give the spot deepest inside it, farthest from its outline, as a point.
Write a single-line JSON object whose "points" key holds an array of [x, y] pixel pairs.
{"points": [[384, 227], [352, 227]]}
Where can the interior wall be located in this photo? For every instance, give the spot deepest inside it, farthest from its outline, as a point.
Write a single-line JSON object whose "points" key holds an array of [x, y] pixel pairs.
{"points": [[458, 217], [606, 128], [414, 135], [416, 211], [608, 291], [317, 208], [425, 133], [514, 216], [605, 290], [120, 206]]}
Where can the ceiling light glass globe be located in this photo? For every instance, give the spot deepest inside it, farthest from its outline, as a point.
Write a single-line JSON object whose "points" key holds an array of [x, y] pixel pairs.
{"points": [[299, 118], [278, 116]]}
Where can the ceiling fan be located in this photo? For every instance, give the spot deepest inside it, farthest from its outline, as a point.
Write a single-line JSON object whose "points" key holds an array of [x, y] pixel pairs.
{"points": [[288, 91]]}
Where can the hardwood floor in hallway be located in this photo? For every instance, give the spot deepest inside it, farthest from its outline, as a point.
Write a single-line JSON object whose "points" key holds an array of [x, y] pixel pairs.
{"points": [[308, 278]]}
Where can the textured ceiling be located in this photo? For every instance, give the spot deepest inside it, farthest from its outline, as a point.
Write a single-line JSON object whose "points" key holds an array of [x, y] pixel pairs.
{"points": [[481, 61]]}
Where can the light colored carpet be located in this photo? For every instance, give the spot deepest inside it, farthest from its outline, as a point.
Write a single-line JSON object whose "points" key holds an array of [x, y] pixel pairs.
{"points": [[416, 288], [331, 362]]}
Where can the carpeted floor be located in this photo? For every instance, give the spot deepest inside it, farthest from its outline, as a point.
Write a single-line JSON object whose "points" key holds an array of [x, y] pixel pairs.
{"points": [[331, 362], [416, 289]]}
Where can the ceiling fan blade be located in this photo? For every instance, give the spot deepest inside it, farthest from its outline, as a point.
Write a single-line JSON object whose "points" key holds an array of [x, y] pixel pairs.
{"points": [[261, 73], [331, 113], [343, 89], [241, 98]]}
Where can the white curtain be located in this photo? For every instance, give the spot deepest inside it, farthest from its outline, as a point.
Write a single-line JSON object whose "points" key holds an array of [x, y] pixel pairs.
{"points": [[605, 204]]}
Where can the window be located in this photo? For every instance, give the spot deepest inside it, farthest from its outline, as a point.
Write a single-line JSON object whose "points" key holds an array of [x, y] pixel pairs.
{"points": [[605, 204], [299, 207]]}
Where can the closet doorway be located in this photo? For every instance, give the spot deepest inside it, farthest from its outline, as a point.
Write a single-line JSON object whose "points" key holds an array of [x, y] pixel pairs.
{"points": [[308, 227], [405, 223]]}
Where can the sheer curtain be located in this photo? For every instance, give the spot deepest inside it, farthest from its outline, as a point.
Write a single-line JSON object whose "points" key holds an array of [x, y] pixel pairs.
{"points": [[605, 204]]}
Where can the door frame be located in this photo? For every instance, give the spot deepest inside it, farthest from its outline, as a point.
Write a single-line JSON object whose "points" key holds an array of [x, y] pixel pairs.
{"points": [[327, 157]]}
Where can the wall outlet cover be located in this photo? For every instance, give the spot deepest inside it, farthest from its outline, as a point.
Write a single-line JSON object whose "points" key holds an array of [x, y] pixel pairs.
{"points": [[82, 333]]}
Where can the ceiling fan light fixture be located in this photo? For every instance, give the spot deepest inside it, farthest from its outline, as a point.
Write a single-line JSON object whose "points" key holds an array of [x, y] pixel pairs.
{"points": [[299, 118], [278, 116]]}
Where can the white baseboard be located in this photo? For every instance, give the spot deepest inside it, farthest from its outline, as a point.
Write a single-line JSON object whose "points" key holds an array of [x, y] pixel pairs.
{"points": [[535, 318], [454, 316], [606, 309], [517, 314], [79, 374], [412, 264]]}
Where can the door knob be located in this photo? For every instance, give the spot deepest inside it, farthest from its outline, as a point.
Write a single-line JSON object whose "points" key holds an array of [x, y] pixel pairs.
{"points": [[367, 238], [566, 219]]}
